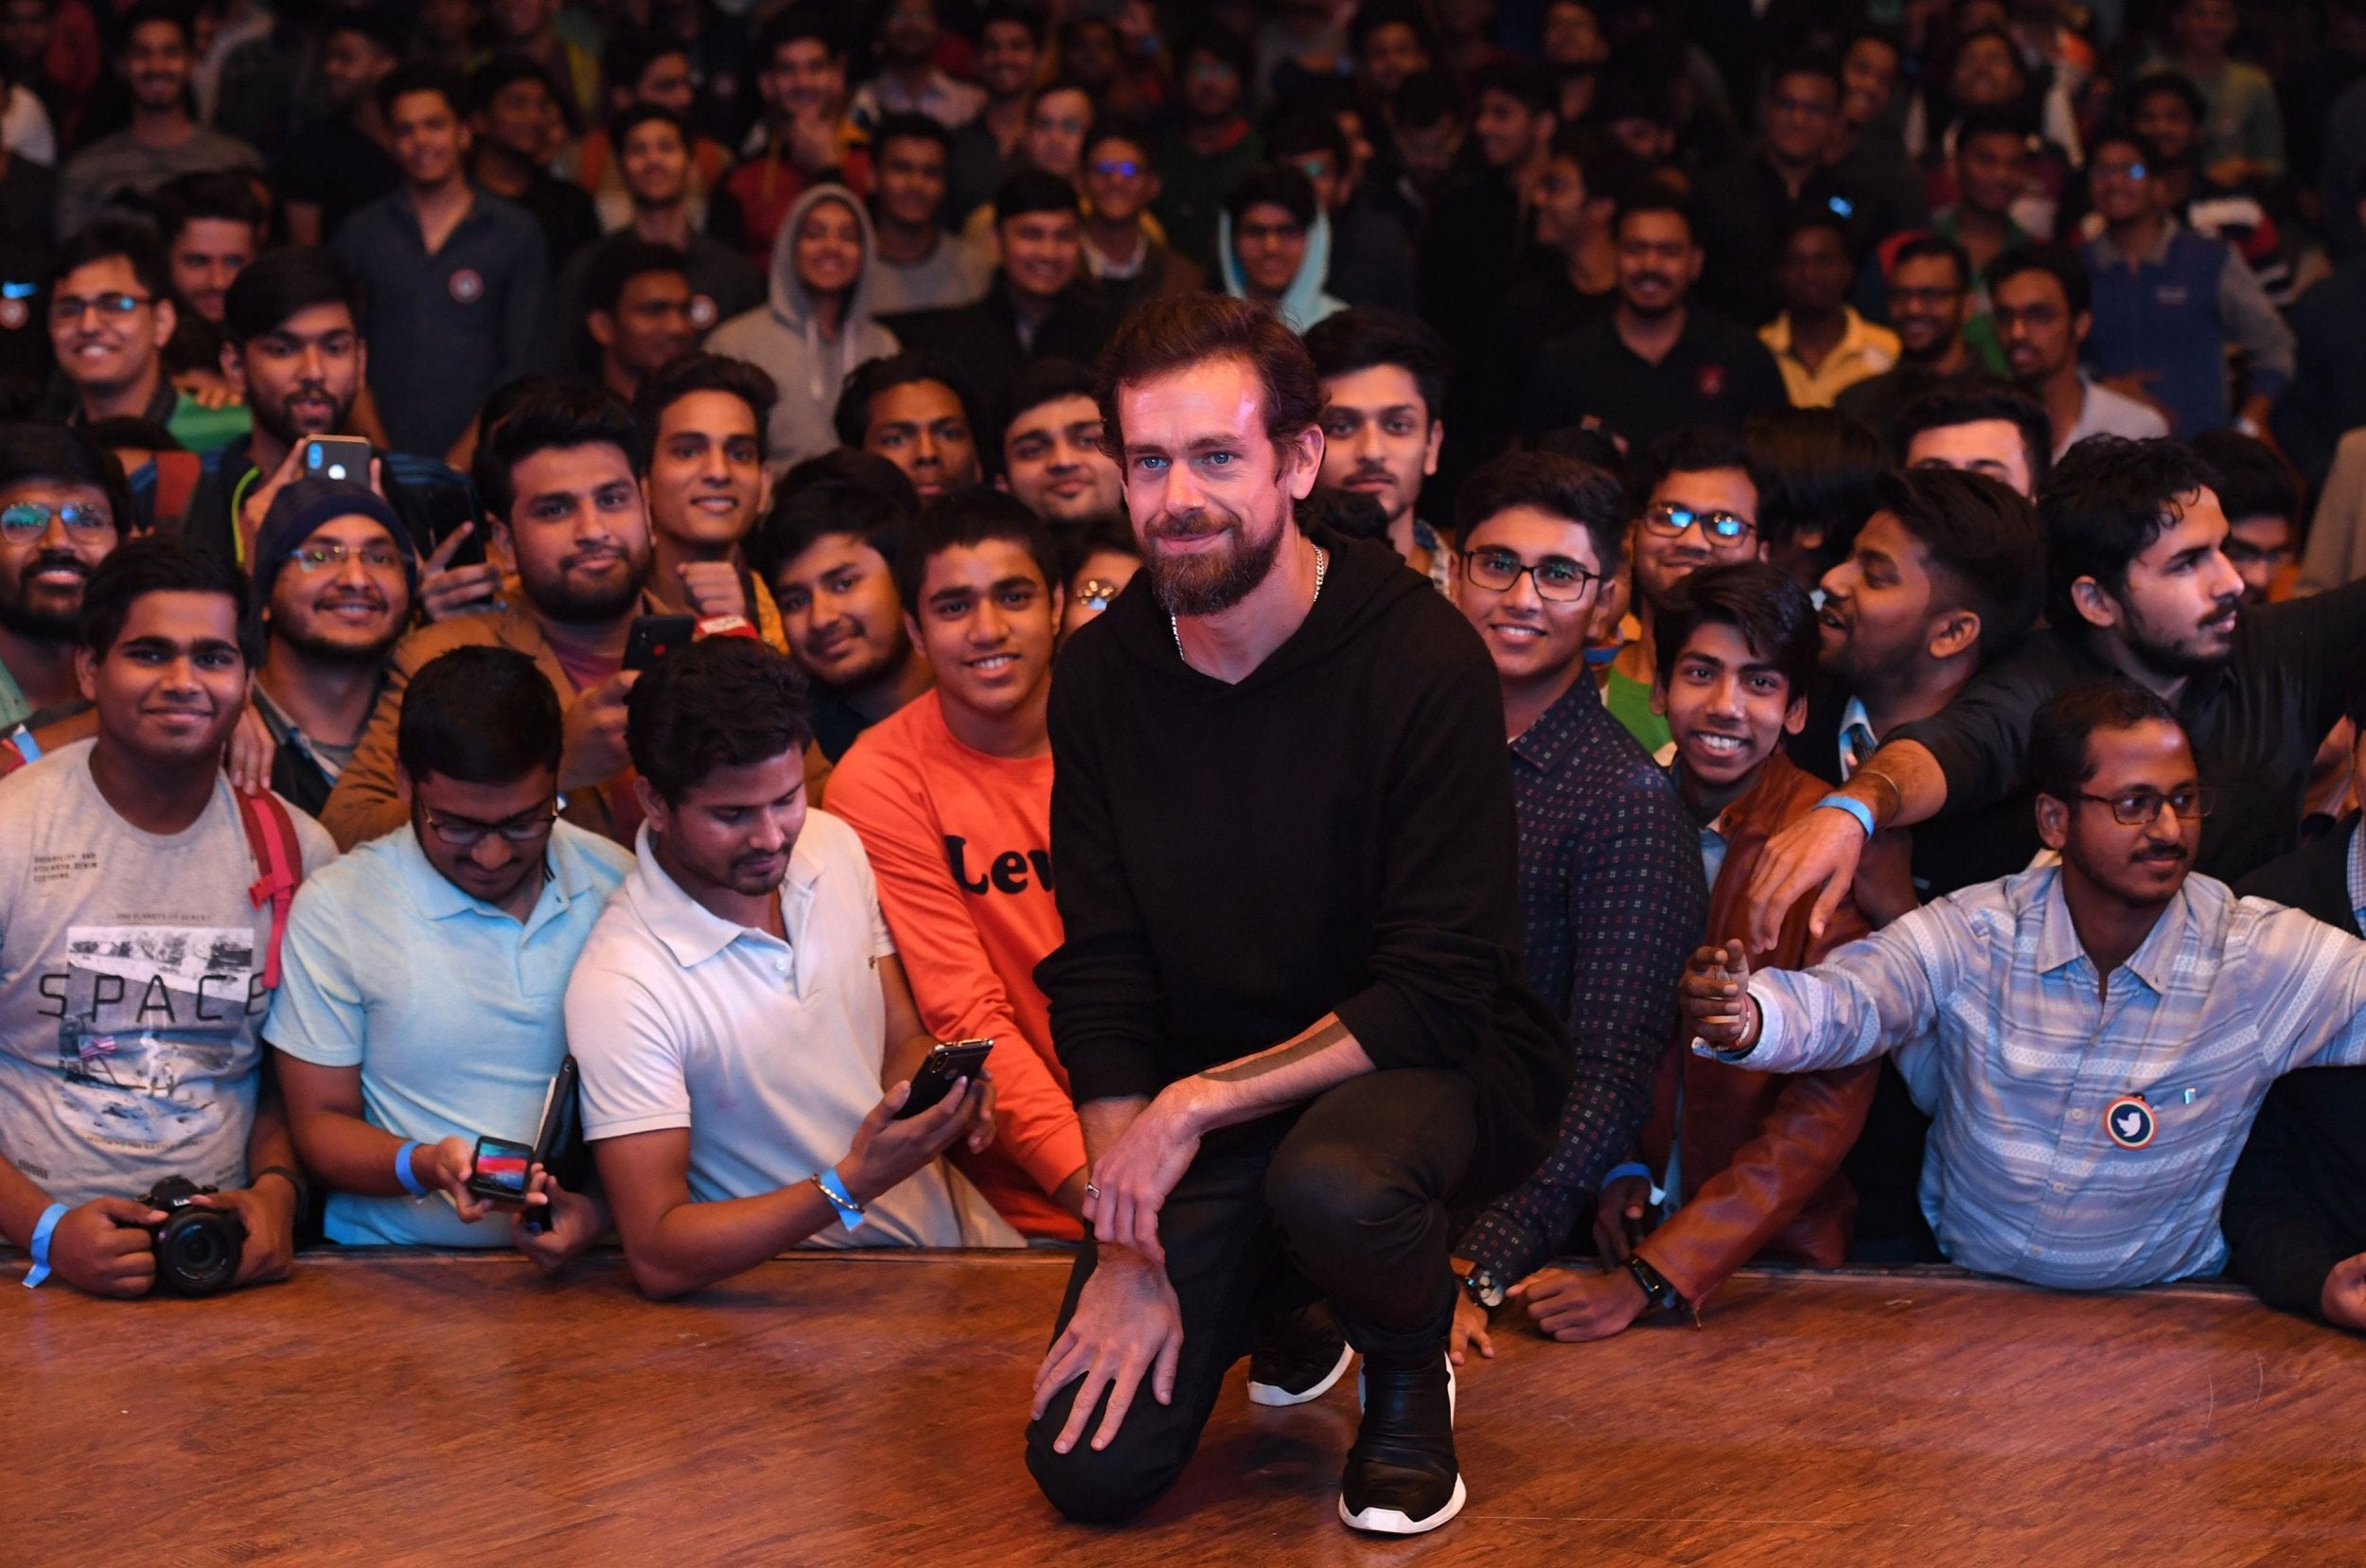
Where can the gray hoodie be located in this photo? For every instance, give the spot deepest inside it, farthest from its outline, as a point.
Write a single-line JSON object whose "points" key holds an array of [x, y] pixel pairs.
{"points": [[781, 337]]}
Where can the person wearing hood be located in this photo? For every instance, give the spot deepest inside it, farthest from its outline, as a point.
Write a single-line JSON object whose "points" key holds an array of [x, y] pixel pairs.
{"points": [[1040, 304], [816, 326], [1273, 243]]}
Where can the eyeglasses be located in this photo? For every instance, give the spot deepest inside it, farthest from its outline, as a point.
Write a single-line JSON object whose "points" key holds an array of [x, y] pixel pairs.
{"points": [[71, 308], [463, 833], [1120, 168], [319, 558], [1670, 522], [22, 521], [2120, 171], [1094, 594], [1556, 577], [2136, 807]]}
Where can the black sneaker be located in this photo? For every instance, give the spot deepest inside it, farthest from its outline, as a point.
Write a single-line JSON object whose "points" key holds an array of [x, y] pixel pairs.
{"points": [[1402, 1477], [1302, 1355]]}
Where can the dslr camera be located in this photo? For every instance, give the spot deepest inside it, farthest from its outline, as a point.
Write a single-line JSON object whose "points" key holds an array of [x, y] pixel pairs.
{"points": [[197, 1248]]}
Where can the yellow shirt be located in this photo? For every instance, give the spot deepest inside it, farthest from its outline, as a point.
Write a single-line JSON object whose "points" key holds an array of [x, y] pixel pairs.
{"points": [[1863, 350]]}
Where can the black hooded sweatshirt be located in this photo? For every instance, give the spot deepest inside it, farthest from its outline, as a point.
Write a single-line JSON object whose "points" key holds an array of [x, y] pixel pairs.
{"points": [[1335, 833]]}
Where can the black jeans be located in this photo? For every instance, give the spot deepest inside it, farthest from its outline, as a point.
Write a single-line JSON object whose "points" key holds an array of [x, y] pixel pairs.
{"points": [[1345, 1200]]}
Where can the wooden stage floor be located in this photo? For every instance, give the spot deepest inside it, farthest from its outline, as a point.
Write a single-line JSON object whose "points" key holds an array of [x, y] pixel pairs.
{"points": [[438, 1409]]}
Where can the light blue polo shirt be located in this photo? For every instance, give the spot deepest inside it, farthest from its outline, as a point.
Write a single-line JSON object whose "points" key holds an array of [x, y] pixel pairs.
{"points": [[449, 1006]]}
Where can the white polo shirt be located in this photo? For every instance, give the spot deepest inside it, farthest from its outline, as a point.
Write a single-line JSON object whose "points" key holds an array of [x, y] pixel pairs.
{"points": [[769, 1052]]}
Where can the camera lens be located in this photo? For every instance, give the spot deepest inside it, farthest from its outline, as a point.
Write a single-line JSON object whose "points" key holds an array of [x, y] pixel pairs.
{"points": [[197, 1253]]}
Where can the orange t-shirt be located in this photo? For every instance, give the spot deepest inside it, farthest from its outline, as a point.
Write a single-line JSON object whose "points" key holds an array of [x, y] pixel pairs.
{"points": [[961, 843]]}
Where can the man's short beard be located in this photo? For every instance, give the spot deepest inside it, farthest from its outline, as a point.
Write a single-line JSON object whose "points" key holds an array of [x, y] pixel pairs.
{"points": [[323, 650], [581, 606], [37, 626], [885, 667], [2166, 659], [1210, 585], [273, 416]]}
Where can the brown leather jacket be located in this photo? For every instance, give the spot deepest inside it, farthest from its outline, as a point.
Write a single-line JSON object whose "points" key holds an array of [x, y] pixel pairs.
{"points": [[1762, 1151]]}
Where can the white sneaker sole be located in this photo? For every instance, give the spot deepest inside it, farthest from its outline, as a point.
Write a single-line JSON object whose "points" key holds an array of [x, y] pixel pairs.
{"points": [[1274, 1395], [1392, 1522]]}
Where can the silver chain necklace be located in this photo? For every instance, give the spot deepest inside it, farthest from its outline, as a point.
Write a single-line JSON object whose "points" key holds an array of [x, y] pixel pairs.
{"points": [[1323, 565]]}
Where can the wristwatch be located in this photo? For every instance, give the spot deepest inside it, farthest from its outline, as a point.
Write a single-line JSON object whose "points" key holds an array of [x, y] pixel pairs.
{"points": [[1483, 1288], [1658, 1295]]}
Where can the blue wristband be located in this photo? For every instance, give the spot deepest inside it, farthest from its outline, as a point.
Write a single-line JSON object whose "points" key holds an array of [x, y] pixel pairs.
{"points": [[850, 1213], [39, 1246], [403, 1172], [1849, 804], [1633, 1168]]}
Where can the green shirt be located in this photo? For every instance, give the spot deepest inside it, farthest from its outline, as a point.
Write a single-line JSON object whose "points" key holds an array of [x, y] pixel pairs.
{"points": [[202, 430], [1629, 702]]}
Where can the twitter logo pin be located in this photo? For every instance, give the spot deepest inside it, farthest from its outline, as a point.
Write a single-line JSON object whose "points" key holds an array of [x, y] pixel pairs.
{"points": [[2129, 1121]]}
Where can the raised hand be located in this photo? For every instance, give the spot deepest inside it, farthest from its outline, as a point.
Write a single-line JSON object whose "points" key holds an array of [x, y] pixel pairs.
{"points": [[446, 591], [1819, 853], [1715, 1000]]}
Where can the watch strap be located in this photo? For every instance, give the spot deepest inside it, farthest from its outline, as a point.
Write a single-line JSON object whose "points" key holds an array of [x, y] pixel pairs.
{"points": [[1656, 1290]]}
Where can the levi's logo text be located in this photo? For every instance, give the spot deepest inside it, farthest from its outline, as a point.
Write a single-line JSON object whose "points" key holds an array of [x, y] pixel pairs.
{"points": [[1009, 871]]}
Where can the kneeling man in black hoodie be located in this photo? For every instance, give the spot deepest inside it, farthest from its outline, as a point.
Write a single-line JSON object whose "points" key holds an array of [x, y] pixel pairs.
{"points": [[1289, 998]]}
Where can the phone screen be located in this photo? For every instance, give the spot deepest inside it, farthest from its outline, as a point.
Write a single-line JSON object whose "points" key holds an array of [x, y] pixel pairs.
{"points": [[501, 1169]]}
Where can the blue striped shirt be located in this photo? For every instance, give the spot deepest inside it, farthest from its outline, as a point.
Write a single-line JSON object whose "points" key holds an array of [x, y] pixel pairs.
{"points": [[1993, 1010]]}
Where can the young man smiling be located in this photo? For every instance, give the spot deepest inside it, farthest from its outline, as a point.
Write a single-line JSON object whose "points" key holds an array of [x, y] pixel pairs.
{"points": [[1040, 301], [1051, 453], [111, 314], [291, 325], [163, 138], [1290, 1025], [1760, 1153], [2162, 1006], [560, 480], [920, 267], [137, 962], [335, 576], [828, 554], [452, 277], [704, 417], [1695, 494], [1611, 895], [2139, 587], [60, 500], [952, 797]]}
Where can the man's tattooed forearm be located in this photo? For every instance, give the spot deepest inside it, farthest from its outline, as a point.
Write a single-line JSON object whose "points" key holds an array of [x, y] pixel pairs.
{"points": [[1280, 1057]]}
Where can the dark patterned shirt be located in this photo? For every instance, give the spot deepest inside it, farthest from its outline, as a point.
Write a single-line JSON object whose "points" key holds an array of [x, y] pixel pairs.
{"points": [[1611, 903]]}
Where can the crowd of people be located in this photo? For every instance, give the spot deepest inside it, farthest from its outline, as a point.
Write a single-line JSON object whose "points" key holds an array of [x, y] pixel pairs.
{"points": [[1686, 636]]}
